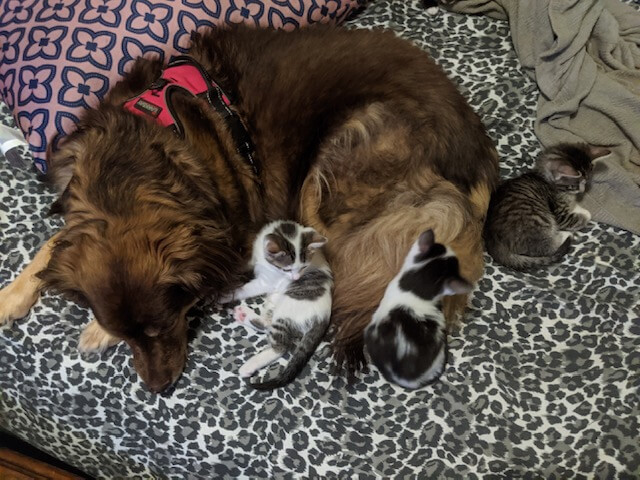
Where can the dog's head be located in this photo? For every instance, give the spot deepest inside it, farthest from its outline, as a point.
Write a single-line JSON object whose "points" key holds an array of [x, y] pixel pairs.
{"points": [[140, 282], [139, 246]]}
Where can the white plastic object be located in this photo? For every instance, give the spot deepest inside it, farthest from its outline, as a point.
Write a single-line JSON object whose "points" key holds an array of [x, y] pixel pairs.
{"points": [[10, 138]]}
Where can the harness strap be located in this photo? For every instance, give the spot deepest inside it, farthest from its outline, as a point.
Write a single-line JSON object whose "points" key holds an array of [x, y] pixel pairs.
{"points": [[186, 74]]}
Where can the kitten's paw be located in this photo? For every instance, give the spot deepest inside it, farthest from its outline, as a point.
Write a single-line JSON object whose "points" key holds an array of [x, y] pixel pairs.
{"points": [[15, 302], [246, 371], [563, 236], [257, 324], [247, 317], [94, 338], [240, 314], [583, 212]]}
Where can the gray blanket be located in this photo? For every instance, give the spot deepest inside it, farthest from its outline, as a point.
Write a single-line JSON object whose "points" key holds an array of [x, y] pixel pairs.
{"points": [[585, 57]]}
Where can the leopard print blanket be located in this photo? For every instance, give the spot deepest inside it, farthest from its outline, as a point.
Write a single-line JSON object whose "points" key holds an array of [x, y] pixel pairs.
{"points": [[543, 379]]}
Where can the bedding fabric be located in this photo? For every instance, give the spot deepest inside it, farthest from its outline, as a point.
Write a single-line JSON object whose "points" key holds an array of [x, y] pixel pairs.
{"points": [[542, 382]]}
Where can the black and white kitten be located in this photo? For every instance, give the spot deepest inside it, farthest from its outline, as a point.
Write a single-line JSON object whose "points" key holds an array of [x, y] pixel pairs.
{"points": [[406, 337], [431, 6], [531, 217], [289, 265]]}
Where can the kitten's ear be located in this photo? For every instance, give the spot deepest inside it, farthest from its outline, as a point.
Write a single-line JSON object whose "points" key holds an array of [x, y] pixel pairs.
{"points": [[426, 241], [456, 286], [560, 171], [317, 241], [597, 152], [271, 245]]}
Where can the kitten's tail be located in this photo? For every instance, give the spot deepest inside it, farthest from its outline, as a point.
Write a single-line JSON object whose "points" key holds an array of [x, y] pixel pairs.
{"points": [[299, 358], [524, 263]]}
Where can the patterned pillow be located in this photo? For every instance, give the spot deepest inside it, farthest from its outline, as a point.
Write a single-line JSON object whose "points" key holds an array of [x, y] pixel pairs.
{"points": [[58, 57]]}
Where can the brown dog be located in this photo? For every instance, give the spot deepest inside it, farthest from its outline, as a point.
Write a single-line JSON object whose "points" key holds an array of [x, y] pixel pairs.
{"points": [[358, 134]]}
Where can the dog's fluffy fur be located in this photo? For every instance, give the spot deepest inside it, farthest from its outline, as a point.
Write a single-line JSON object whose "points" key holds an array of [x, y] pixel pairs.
{"points": [[359, 134]]}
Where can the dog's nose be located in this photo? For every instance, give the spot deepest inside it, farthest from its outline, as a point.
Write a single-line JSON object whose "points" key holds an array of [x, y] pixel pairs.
{"points": [[160, 387]]}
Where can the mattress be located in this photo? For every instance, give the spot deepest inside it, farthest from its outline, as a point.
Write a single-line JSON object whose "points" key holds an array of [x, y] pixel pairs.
{"points": [[543, 378]]}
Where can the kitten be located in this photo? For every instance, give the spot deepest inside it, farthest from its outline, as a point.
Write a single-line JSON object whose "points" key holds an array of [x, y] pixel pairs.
{"points": [[531, 217], [406, 338], [288, 264], [431, 6]]}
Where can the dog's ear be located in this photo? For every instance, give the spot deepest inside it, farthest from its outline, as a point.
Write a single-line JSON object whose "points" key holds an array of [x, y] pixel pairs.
{"points": [[60, 274], [143, 71], [179, 280], [60, 205], [70, 149], [190, 116], [200, 125], [198, 261], [217, 262]]}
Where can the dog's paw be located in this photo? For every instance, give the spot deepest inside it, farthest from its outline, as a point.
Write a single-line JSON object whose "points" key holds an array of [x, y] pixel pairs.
{"points": [[94, 338], [15, 303]]}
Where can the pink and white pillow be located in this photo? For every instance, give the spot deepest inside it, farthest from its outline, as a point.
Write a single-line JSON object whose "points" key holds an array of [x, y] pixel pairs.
{"points": [[58, 57]]}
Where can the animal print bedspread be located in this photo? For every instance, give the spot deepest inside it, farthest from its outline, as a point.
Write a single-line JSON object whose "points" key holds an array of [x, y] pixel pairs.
{"points": [[543, 379]]}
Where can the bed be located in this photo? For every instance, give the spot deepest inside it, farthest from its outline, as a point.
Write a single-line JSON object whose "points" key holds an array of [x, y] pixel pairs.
{"points": [[543, 379]]}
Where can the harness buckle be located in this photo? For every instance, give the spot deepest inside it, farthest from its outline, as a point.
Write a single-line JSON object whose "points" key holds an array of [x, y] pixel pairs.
{"points": [[158, 84]]}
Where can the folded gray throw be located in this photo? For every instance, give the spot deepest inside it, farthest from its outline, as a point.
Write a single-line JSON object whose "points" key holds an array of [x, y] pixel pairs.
{"points": [[585, 57]]}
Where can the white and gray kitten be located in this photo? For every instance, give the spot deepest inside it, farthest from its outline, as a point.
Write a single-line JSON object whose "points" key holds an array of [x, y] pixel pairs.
{"points": [[531, 217], [288, 264], [406, 339]]}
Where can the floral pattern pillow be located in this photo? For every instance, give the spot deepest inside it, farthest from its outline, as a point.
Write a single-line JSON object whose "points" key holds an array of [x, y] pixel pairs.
{"points": [[58, 57]]}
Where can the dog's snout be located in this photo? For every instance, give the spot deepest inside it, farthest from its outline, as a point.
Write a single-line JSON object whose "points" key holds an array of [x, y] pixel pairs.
{"points": [[160, 387], [163, 385]]}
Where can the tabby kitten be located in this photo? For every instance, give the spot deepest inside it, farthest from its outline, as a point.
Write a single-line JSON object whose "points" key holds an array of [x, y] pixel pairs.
{"points": [[531, 217], [406, 338], [288, 264]]}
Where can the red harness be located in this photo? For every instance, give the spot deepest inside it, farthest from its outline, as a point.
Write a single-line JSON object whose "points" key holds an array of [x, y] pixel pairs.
{"points": [[184, 73]]}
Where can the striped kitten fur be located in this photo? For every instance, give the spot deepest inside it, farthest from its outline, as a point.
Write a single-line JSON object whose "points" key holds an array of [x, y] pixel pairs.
{"points": [[406, 338], [531, 217], [289, 265]]}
